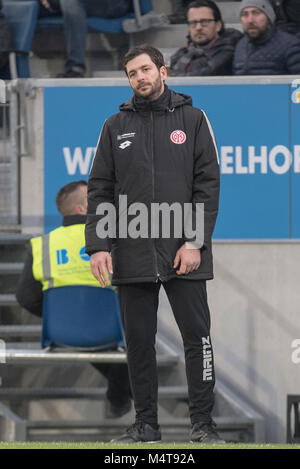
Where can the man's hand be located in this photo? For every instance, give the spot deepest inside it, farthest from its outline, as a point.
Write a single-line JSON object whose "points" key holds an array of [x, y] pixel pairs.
{"points": [[100, 263], [46, 4], [189, 260]]}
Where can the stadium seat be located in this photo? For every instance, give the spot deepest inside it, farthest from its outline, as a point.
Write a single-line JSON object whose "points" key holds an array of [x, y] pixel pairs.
{"points": [[81, 316], [139, 17], [22, 18]]}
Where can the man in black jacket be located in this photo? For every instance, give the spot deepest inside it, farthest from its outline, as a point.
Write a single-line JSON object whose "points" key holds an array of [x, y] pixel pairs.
{"points": [[158, 150], [265, 49], [6, 42], [287, 15], [210, 47]]}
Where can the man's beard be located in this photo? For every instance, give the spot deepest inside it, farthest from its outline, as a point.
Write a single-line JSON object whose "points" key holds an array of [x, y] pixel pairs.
{"points": [[203, 42], [255, 32], [155, 91]]}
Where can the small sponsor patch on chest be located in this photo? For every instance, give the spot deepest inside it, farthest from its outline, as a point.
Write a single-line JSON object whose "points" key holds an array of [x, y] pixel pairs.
{"points": [[178, 137], [128, 135], [125, 144]]}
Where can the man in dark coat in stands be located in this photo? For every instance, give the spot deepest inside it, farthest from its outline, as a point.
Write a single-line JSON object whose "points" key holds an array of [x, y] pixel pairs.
{"points": [[265, 49], [6, 40], [287, 15], [210, 47]]}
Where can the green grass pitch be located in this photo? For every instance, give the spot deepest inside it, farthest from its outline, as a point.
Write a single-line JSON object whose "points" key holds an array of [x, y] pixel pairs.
{"points": [[161, 446]]}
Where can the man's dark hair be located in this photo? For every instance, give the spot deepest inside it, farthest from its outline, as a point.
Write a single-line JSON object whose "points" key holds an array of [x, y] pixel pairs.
{"points": [[64, 200], [154, 54], [208, 4]]}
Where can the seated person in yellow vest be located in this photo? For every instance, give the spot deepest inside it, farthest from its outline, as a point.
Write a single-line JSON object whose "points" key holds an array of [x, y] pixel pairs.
{"points": [[71, 202]]}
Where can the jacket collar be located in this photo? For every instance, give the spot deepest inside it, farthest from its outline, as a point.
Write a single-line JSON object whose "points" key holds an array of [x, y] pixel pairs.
{"points": [[166, 102], [69, 220], [159, 104], [264, 37]]}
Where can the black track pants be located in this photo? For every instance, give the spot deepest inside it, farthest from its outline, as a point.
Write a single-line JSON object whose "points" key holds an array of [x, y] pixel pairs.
{"points": [[188, 299]]}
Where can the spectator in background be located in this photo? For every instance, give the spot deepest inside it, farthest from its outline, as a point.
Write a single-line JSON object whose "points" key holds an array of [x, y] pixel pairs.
{"points": [[75, 13], [179, 11], [287, 15], [6, 40], [265, 49], [210, 47], [71, 202]]}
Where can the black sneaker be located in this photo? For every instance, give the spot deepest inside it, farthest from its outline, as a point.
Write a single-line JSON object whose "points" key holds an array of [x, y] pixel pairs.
{"points": [[139, 432], [204, 432], [75, 72]]}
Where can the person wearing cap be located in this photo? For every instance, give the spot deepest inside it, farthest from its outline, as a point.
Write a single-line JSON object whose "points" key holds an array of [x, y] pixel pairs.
{"points": [[264, 49]]}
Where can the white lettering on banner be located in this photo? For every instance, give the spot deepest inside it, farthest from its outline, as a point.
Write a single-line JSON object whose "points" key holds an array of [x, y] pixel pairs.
{"points": [[259, 160], [240, 169], [226, 160], [297, 158], [234, 159], [76, 162]]}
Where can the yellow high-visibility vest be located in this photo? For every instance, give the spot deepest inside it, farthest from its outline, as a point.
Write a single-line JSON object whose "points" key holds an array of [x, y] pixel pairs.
{"points": [[59, 258]]}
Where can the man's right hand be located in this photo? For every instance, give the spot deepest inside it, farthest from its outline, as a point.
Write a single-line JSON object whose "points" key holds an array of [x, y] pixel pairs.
{"points": [[100, 263], [46, 4]]}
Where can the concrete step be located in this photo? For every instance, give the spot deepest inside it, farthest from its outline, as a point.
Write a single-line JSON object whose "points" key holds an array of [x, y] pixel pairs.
{"points": [[12, 245], [8, 268], [14, 238], [23, 331], [173, 429], [8, 299], [164, 392]]}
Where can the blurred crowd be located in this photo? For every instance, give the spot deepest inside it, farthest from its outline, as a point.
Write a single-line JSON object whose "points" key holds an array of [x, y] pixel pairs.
{"points": [[267, 41]]}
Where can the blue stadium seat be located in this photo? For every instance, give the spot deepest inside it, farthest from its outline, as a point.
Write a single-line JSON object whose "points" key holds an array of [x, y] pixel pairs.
{"points": [[105, 25], [22, 18], [81, 316]]}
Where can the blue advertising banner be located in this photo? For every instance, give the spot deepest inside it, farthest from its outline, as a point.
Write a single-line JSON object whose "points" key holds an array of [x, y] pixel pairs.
{"points": [[256, 129]]}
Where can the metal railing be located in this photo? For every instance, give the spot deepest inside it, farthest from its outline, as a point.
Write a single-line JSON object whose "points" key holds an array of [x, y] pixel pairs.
{"points": [[14, 143]]}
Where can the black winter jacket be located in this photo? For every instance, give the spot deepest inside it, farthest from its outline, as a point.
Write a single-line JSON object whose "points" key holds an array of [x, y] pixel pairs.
{"points": [[195, 60], [136, 157], [274, 53]]}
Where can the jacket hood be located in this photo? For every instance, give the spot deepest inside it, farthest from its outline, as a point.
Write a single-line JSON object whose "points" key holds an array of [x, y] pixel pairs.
{"points": [[168, 101]]}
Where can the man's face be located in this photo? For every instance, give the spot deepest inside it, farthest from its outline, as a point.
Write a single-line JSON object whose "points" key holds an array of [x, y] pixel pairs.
{"points": [[144, 77], [202, 32], [255, 22]]}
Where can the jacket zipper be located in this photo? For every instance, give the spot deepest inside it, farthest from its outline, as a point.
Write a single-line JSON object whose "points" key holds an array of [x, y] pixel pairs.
{"points": [[153, 193]]}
